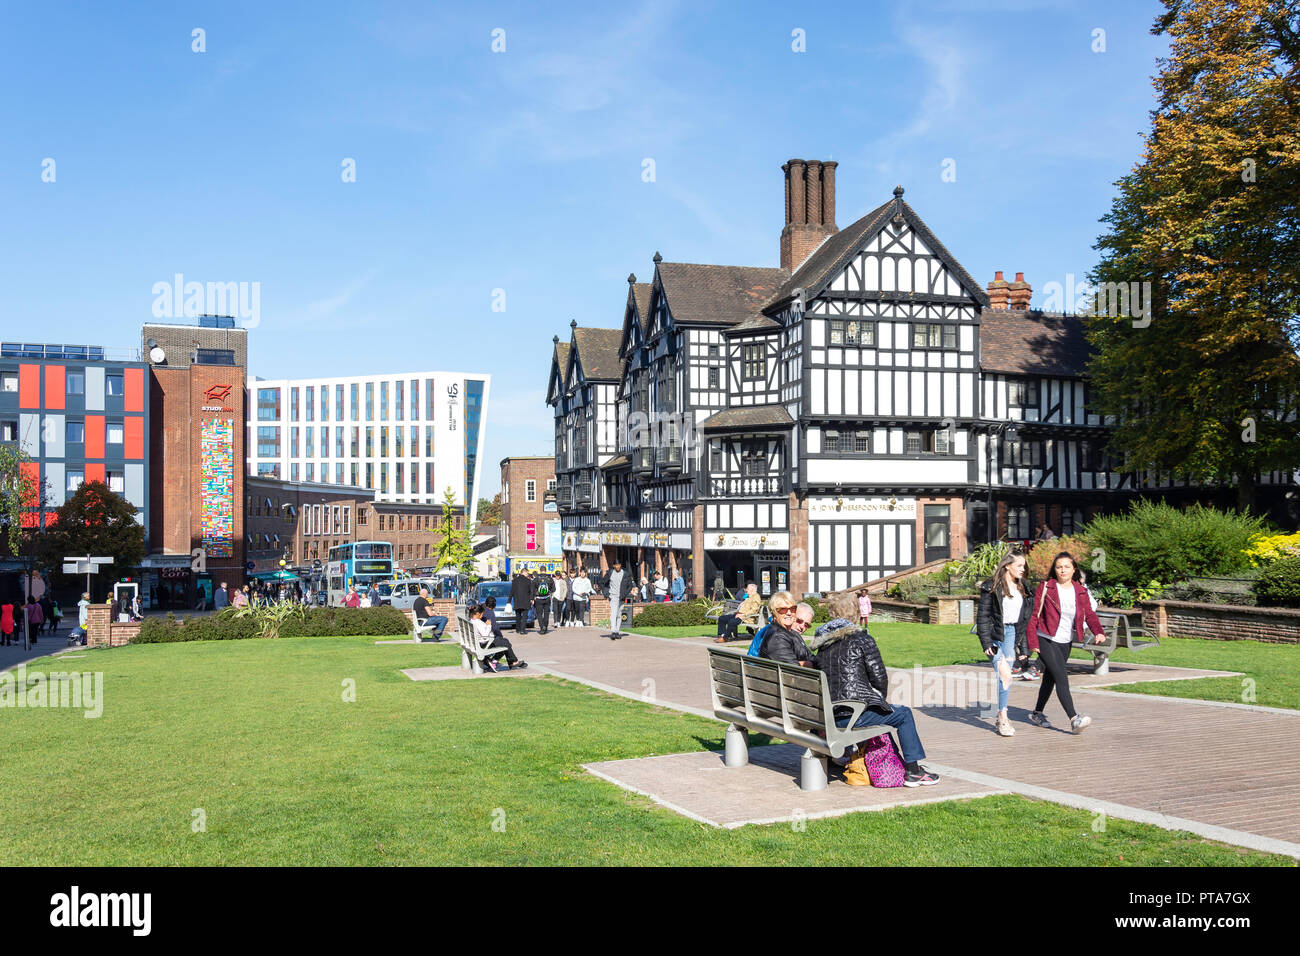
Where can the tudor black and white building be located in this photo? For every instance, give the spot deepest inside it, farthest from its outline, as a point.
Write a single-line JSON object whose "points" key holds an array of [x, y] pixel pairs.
{"points": [[864, 408]]}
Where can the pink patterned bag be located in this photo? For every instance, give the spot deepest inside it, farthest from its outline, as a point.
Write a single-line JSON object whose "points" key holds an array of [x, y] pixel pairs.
{"points": [[884, 766]]}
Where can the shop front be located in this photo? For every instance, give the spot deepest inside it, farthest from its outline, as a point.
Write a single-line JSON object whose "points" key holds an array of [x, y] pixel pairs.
{"points": [[732, 561]]}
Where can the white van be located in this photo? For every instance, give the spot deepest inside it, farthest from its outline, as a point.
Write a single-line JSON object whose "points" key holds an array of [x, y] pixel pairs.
{"points": [[402, 594]]}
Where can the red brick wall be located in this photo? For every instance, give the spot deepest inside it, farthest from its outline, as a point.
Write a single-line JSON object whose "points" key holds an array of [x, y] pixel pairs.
{"points": [[1221, 622], [518, 511]]}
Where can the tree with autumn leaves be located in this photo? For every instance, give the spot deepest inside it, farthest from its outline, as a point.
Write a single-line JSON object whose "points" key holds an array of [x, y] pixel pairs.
{"points": [[1207, 386], [94, 521]]}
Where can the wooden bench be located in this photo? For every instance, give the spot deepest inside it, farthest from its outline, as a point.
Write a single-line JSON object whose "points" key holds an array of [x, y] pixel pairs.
{"points": [[731, 606], [785, 701], [473, 652], [1119, 633]]}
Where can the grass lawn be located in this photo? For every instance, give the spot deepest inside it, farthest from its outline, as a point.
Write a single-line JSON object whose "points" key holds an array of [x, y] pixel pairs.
{"points": [[1274, 668], [254, 738]]}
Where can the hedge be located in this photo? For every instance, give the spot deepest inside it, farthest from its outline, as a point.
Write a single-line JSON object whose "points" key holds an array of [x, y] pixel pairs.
{"points": [[675, 614], [1279, 583], [316, 622]]}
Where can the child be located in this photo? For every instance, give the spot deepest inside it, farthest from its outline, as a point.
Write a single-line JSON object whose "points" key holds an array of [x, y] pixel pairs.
{"points": [[864, 606]]}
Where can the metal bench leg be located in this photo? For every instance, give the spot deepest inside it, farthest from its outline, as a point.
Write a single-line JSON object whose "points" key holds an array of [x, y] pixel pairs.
{"points": [[465, 662], [737, 751], [812, 771], [1102, 663]]}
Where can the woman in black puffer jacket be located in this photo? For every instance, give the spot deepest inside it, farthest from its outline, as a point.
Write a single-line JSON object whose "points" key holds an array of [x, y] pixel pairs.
{"points": [[851, 661]]}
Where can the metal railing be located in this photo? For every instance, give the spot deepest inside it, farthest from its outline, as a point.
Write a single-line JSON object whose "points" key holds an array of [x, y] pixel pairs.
{"points": [[75, 353]]}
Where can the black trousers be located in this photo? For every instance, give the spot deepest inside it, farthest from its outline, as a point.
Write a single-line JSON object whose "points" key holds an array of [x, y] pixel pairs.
{"points": [[1053, 657], [510, 651], [542, 608], [521, 617], [728, 626]]}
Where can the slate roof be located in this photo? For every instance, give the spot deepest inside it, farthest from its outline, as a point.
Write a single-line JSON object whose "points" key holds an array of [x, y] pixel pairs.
{"points": [[562, 362], [1032, 343], [834, 254], [755, 323], [641, 294], [598, 353], [749, 416], [716, 295]]}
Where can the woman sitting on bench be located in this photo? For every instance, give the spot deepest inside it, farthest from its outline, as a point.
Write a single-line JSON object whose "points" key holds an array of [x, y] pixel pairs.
{"points": [[729, 624], [489, 636], [854, 670]]}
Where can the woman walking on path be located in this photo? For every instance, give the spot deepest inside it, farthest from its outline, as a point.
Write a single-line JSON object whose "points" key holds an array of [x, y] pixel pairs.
{"points": [[1002, 625], [1062, 607], [6, 623]]}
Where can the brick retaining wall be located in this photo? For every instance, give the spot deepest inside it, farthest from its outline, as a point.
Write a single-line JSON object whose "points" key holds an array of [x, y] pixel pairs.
{"points": [[103, 631], [1221, 622]]}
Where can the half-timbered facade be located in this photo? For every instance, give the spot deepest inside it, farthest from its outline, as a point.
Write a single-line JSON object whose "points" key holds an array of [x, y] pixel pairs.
{"points": [[863, 409]]}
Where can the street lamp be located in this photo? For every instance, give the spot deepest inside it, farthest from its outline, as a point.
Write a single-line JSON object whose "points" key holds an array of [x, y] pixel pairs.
{"points": [[1008, 431]]}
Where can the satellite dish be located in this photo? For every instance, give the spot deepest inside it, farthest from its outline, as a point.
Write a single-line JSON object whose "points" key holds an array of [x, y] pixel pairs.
{"points": [[157, 355]]}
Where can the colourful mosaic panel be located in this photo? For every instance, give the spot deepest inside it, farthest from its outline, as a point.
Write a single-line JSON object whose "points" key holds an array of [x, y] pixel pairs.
{"points": [[217, 489]]}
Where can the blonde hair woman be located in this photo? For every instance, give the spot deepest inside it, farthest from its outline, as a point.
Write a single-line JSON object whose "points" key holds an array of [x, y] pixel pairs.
{"points": [[782, 642]]}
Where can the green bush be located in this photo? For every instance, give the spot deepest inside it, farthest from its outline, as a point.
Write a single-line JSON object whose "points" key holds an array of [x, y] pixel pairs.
{"points": [[1279, 583], [315, 622], [676, 614], [1154, 541]]}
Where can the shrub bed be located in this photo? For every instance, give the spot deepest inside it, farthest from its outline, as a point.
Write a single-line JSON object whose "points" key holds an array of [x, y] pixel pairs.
{"points": [[315, 622], [1279, 583], [673, 614]]}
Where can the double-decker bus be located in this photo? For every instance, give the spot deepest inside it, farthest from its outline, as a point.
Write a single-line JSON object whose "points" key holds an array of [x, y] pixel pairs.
{"points": [[359, 563]]}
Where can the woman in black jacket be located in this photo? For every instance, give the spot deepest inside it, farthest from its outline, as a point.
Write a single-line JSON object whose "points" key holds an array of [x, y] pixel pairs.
{"points": [[851, 661], [781, 643], [1002, 624]]}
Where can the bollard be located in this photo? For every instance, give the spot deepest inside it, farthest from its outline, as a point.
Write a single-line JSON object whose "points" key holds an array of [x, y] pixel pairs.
{"points": [[737, 750]]}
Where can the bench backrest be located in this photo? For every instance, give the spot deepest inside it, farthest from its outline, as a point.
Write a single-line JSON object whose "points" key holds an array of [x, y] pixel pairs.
{"points": [[790, 700]]}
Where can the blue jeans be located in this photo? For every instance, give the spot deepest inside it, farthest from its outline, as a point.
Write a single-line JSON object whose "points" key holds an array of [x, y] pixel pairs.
{"points": [[902, 721], [438, 621], [1004, 650]]}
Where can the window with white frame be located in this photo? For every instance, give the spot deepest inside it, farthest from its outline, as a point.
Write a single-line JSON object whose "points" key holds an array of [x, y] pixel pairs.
{"points": [[530, 490]]}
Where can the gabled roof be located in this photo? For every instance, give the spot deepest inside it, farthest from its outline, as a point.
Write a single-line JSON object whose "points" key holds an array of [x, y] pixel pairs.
{"points": [[749, 416], [1033, 343], [641, 297], [559, 369], [755, 323], [716, 295], [636, 312], [831, 257], [597, 351]]}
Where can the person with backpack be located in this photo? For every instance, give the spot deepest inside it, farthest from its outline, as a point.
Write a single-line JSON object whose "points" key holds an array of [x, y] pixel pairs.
{"points": [[1002, 623], [560, 597], [542, 602], [1062, 608]]}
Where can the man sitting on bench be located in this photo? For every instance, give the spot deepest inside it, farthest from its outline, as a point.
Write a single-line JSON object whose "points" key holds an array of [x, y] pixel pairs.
{"points": [[424, 616], [729, 624]]}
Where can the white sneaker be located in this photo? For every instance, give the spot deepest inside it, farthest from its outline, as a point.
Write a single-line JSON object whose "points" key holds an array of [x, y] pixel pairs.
{"points": [[1079, 722], [1004, 727]]}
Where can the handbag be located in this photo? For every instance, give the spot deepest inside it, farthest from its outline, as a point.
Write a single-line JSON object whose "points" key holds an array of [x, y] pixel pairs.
{"points": [[884, 765]]}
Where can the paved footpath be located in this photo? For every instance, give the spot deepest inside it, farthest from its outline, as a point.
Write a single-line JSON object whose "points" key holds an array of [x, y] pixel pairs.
{"points": [[1226, 772]]}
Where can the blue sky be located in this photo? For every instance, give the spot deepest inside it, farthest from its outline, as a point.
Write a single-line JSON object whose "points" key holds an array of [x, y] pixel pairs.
{"points": [[522, 170]]}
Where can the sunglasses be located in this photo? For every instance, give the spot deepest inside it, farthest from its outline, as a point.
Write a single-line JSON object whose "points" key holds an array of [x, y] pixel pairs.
{"points": [[785, 610]]}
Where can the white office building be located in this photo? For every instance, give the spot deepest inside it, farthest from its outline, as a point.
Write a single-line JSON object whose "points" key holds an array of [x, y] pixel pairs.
{"points": [[406, 436]]}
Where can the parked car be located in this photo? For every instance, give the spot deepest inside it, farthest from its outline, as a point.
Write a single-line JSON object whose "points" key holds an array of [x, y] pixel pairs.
{"points": [[402, 594], [501, 591]]}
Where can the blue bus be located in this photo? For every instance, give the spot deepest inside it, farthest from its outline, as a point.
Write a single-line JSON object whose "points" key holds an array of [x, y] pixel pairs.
{"points": [[359, 563]]}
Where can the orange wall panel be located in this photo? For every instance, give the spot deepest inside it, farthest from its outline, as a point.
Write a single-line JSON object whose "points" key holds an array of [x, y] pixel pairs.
{"points": [[95, 436], [94, 472], [133, 384], [29, 386], [133, 433], [55, 386]]}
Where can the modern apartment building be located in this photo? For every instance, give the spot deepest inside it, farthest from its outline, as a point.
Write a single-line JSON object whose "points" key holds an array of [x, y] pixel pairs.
{"points": [[81, 414], [406, 437]]}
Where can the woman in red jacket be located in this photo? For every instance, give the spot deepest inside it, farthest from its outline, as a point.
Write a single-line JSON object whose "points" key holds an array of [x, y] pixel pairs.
{"points": [[6, 624], [1061, 608]]}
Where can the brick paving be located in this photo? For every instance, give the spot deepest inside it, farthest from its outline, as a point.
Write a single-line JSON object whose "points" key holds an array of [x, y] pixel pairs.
{"points": [[1229, 773]]}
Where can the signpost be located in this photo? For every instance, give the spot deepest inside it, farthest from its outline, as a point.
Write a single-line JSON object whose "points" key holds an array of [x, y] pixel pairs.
{"points": [[74, 564]]}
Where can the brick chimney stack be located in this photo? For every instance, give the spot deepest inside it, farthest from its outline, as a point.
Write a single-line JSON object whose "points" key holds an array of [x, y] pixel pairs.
{"points": [[809, 209], [999, 292], [1020, 293]]}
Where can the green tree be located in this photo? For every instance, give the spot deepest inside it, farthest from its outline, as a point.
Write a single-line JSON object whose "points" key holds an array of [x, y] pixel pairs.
{"points": [[19, 491], [489, 512], [1204, 385], [94, 521], [454, 547]]}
